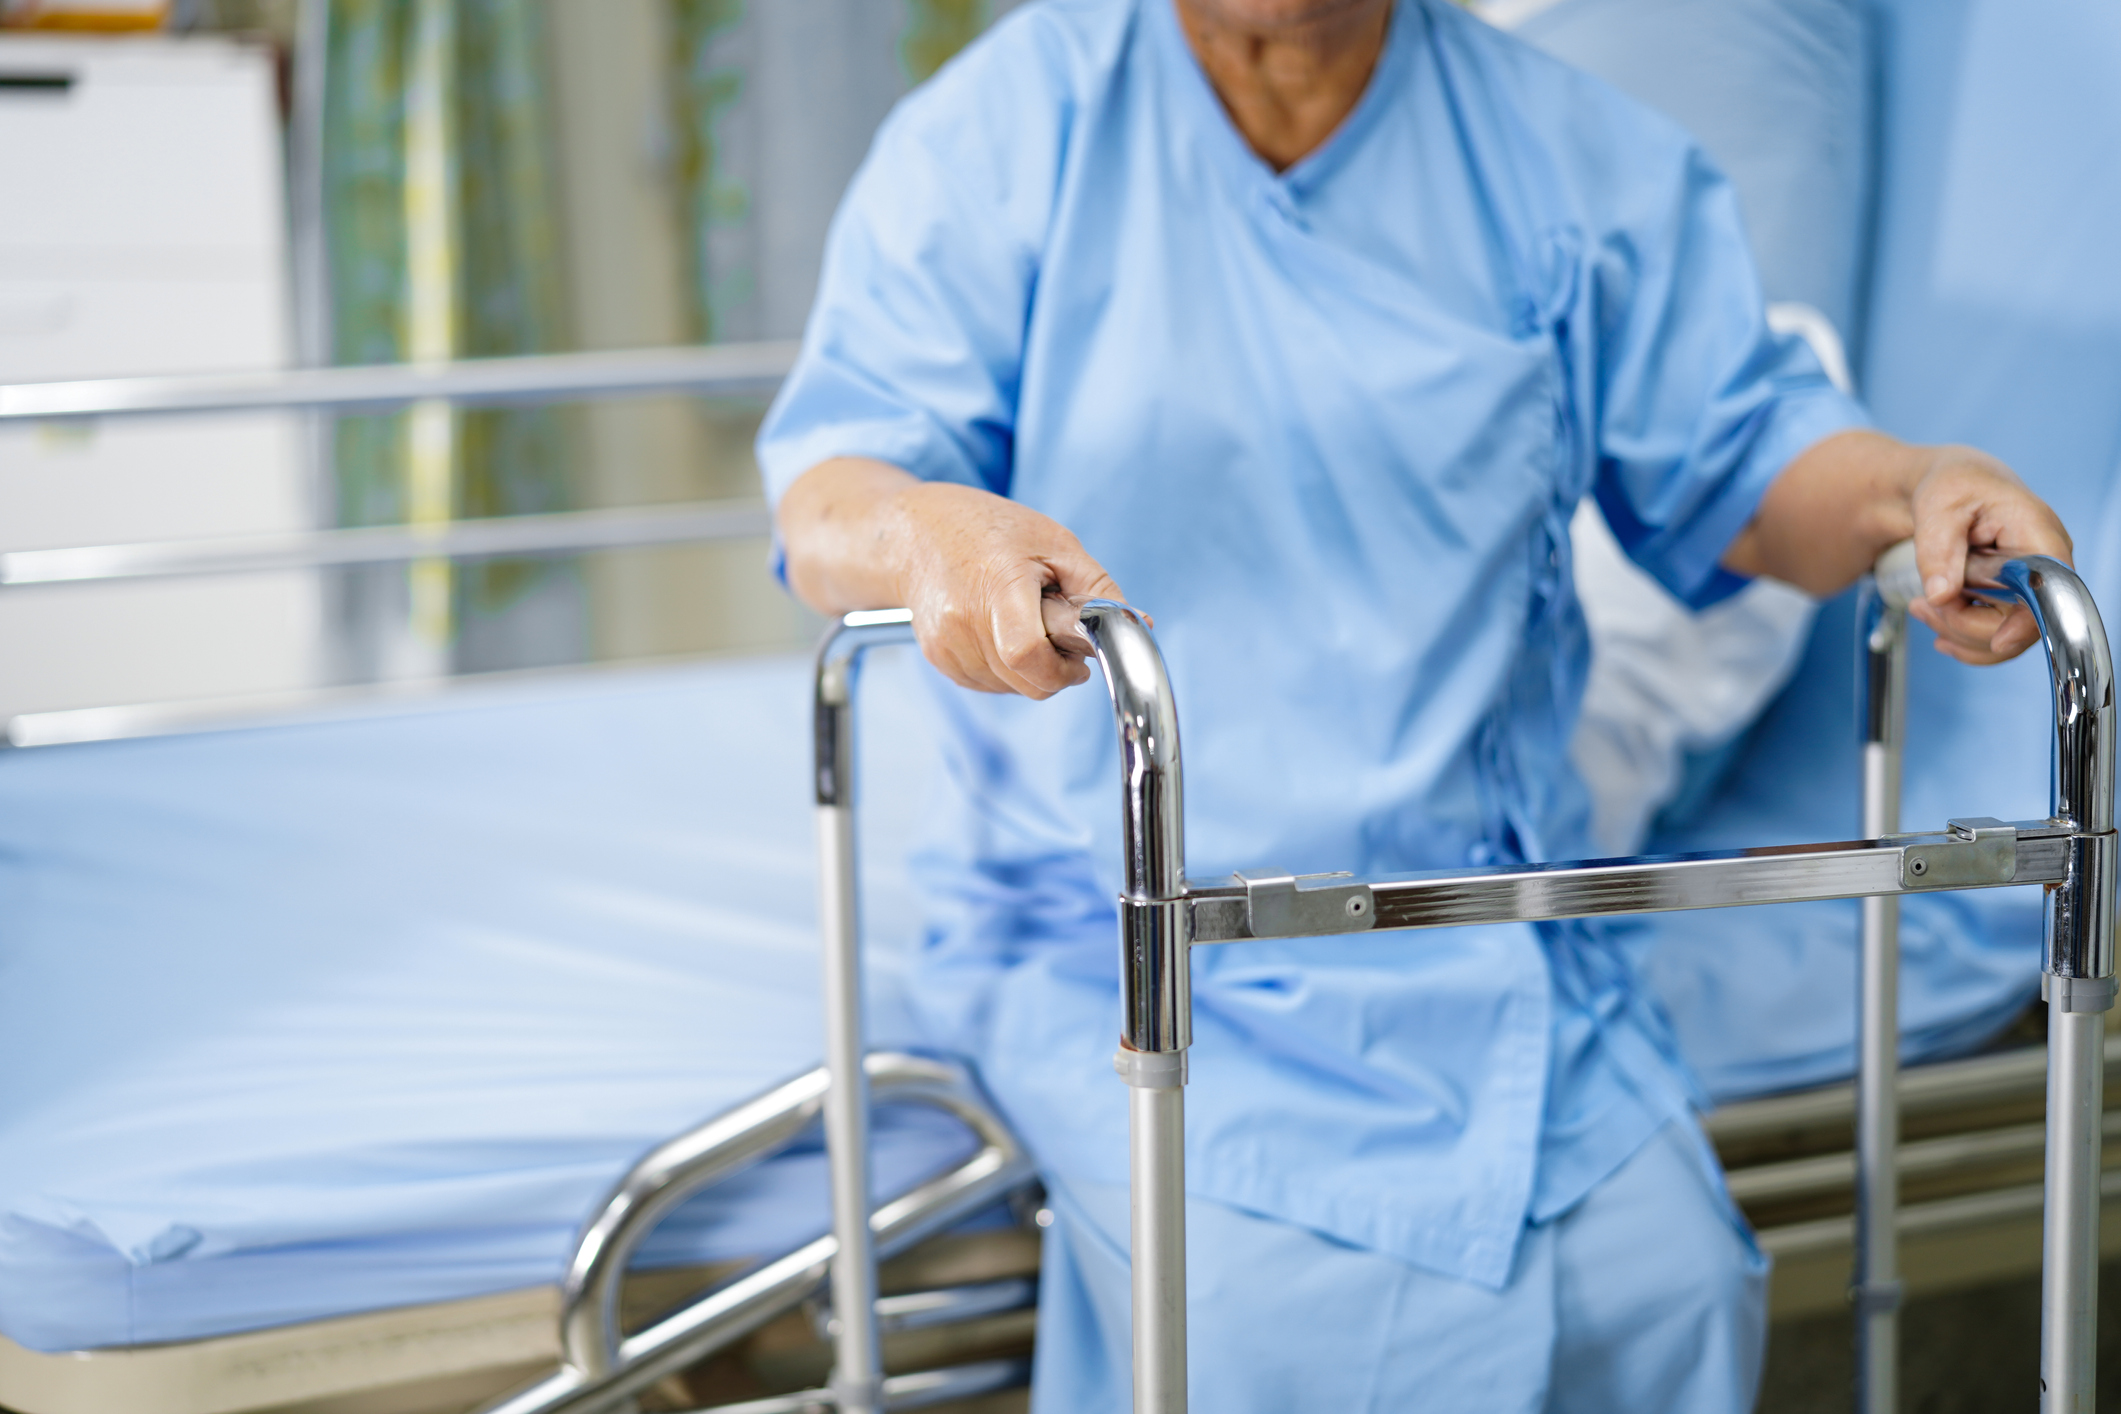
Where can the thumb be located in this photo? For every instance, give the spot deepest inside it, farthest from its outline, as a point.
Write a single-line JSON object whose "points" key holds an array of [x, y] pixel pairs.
{"points": [[1940, 550], [1080, 577]]}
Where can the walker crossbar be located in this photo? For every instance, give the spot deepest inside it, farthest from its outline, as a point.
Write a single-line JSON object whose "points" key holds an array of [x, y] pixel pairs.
{"points": [[1162, 915], [1970, 854]]}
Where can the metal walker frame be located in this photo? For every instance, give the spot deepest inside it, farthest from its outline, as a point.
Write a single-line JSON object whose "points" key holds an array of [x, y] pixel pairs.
{"points": [[1163, 915]]}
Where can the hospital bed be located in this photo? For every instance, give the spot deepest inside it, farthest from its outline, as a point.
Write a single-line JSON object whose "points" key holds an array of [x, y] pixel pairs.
{"points": [[599, 1364], [325, 1036]]}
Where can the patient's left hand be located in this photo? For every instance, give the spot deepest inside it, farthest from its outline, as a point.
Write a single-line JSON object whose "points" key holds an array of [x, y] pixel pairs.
{"points": [[1968, 506]]}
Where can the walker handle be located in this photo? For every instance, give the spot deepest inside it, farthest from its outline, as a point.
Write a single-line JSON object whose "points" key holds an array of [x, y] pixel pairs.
{"points": [[1900, 583]]}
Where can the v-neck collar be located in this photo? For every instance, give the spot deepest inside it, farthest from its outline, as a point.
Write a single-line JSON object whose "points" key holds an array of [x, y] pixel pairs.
{"points": [[1405, 28]]}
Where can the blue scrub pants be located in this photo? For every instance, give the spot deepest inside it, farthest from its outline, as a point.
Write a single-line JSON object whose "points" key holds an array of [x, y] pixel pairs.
{"points": [[1648, 1296]]}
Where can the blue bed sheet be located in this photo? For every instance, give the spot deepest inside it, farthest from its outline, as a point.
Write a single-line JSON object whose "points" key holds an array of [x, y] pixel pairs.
{"points": [[313, 1019]]}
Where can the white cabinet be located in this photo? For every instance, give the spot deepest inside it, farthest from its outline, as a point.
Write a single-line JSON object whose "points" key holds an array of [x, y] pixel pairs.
{"points": [[141, 231]]}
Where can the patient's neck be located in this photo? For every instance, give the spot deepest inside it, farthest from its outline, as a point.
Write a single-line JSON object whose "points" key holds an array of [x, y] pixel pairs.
{"points": [[1288, 71]]}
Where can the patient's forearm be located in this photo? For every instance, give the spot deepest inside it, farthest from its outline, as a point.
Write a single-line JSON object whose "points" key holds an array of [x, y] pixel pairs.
{"points": [[836, 533], [1833, 511]]}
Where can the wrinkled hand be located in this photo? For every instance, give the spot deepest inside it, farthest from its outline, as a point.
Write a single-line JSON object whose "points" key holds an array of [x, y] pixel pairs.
{"points": [[974, 567], [1968, 504]]}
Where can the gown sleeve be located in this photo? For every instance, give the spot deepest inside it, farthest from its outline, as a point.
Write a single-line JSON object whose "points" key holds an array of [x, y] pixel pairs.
{"points": [[1694, 404], [915, 341]]}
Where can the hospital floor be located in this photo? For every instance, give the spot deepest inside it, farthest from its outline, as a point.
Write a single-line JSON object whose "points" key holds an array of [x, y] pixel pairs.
{"points": [[1962, 1352]]}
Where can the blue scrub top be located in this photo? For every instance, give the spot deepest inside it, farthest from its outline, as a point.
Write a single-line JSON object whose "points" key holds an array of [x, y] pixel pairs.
{"points": [[1328, 426]]}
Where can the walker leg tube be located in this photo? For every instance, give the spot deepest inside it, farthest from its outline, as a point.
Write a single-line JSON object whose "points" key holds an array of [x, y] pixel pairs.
{"points": [[1877, 1285], [2080, 974], [2069, 1296], [1157, 1134], [1156, 992], [858, 1368], [1876, 1288]]}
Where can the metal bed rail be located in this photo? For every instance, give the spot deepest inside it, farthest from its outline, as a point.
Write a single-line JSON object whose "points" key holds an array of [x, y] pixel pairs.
{"points": [[716, 370], [721, 371], [603, 1368], [1162, 915], [713, 371], [560, 533]]}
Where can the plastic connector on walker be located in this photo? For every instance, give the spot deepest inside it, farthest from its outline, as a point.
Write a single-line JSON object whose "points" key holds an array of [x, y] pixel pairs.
{"points": [[2079, 993], [1899, 582], [1151, 1070]]}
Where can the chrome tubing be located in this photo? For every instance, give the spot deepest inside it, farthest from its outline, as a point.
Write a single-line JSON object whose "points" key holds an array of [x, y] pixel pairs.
{"points": [[714, 370], [602, 1369], [858, 1359], [1875, 1288], [558, 533], [670, 1173], [916, 1391], [2069, 1265], [1973, 854], [2081, 922], [1153, 964], [1155, 983], [2079, 973]]}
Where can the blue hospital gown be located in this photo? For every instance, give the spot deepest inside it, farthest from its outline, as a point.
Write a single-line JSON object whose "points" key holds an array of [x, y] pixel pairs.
{"points": [[1327, 426]]}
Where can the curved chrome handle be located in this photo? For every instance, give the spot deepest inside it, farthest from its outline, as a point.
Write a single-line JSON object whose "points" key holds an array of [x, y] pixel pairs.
{"points": [[674, 1171], [1155, 978], [2081, 665], [2081, 671]]}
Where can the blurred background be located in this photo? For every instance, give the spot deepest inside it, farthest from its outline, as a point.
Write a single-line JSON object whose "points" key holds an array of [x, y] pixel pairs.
{"points": [[203, 185]]}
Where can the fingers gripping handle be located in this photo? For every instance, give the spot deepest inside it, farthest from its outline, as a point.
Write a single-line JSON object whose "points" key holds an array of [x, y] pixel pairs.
{"points": [[1064, 625]]}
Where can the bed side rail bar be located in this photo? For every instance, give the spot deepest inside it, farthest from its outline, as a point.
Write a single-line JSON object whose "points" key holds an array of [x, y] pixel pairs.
{"points": [[557, 533], [713, 370], [720, 370], [603, 1369]]}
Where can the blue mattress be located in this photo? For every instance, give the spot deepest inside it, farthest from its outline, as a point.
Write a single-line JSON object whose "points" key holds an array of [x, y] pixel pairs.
{"points": [[314, 1019]]}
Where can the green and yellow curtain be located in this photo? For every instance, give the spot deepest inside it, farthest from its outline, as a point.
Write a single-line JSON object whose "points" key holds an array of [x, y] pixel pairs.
{"points": [[441, 195]]}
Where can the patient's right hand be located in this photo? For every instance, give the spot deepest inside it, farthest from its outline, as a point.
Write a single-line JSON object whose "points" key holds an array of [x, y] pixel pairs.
{"points": [[972, 566]]}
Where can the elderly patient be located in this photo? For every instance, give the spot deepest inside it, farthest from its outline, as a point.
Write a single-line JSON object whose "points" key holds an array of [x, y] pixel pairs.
{"points": [[1310, 322]]}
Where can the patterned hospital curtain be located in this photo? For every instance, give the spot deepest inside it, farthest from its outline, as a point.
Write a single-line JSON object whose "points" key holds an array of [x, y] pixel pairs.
{"points": [[504, 297], [778, 100]]}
